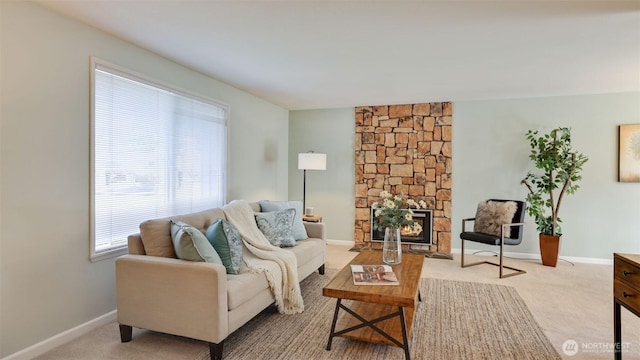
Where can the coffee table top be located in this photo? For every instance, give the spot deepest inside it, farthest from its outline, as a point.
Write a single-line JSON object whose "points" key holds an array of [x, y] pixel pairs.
{"points": [[405, 294]]}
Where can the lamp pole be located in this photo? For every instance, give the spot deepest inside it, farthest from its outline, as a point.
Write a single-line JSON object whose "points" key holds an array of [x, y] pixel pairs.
{"points": [[304, 189], [310, 161]]}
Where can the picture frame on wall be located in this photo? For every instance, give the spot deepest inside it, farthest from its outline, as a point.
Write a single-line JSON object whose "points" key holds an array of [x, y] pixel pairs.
{"points": [[629, 153]]}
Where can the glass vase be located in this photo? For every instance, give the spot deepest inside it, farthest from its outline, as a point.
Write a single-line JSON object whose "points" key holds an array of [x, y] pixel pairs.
{"points": [[391, 249]]}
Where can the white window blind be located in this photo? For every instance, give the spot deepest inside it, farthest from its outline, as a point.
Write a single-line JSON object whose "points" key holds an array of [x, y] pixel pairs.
{"points": [[156, 152]]}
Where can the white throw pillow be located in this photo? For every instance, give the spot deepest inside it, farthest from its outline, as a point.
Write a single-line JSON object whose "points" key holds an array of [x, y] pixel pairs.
{"points": [[298, 230], [491, 215], [191, 244], [276, 226]]}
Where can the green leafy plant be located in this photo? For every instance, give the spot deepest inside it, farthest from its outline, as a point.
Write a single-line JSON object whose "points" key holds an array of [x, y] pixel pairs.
{"points": [[559, 168], [395, 211]]}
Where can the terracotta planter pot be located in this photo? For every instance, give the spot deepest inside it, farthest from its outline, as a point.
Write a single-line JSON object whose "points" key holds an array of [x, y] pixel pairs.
{"points": [[549, 246]]}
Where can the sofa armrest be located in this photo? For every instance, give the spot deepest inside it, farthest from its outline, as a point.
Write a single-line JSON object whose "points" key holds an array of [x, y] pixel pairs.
{"points": [[315, 230], [173, 296]]}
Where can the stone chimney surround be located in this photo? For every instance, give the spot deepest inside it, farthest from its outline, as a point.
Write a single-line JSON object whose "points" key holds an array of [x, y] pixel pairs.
{"points": [[404, 149]]}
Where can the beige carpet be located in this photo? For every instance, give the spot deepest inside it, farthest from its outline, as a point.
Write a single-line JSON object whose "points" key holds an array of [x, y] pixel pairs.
{"points": [[456, 320], [569, 302]]}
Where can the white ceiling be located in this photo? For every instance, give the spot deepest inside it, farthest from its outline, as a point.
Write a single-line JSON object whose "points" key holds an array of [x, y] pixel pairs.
{"points": [[318, 54]]}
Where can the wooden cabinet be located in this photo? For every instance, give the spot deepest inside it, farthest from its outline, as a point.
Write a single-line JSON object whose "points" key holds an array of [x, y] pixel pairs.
{"points": [[626, 292]]}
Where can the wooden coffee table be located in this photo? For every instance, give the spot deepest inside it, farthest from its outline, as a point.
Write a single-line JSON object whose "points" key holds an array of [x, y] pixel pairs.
{"points": [[380, 313]]}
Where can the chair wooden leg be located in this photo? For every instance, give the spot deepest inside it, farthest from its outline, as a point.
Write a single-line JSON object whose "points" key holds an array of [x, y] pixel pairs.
{"points": [[126, 333], [321, 270], [215, 350]]}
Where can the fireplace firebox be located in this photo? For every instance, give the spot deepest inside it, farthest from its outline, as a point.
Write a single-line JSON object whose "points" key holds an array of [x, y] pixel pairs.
{"points": [[424, 217]]}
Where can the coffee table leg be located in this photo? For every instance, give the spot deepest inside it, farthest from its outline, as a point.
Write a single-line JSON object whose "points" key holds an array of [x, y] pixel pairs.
{"points": [[405, 341], [333, 324]]}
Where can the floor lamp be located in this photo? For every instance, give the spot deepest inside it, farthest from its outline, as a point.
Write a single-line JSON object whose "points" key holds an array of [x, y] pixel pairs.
{"points": [[310, 161]]}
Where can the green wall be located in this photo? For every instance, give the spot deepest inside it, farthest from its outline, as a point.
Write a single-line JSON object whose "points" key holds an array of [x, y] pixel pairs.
{"points": [[47, 283], [329, 192], [490, 157]]}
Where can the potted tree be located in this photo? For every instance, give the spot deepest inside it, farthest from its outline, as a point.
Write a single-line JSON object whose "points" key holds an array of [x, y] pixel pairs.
{"points": [[558, 172]]}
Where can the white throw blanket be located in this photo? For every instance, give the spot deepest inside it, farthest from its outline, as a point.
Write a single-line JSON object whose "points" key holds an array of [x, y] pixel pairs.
{"points": [[280, 266]]}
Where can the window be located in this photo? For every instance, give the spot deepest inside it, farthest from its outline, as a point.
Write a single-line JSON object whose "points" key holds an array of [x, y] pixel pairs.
{"points": [[156, 151]]}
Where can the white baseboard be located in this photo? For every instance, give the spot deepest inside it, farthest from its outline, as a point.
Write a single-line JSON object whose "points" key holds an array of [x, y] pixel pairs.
{"points": [[341, 242], [584, 260], [529, 256], [515, 255], [62, 338]]}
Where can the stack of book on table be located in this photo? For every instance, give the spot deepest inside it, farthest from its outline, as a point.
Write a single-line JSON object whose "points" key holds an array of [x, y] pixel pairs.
{"points": [[312, 218]]}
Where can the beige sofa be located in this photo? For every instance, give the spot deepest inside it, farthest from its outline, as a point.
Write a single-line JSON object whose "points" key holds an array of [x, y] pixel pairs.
{"points": [[157, 291]]}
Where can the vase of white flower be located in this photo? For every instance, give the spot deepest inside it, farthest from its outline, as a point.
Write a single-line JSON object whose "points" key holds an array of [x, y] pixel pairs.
{"points": [[391, 247], [392, 214]]}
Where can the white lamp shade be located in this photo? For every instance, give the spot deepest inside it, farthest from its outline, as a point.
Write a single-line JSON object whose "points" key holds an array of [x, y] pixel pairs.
{"points": [[312, 161]]}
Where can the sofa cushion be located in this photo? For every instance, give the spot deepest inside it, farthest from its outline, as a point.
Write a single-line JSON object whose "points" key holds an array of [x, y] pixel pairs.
{"points": [[255, 206], [226, 240], [491, 215], [190, 244], [305, 250], [276, 226], [156, 238], [298, 230], [156, 234], [243, 287]]}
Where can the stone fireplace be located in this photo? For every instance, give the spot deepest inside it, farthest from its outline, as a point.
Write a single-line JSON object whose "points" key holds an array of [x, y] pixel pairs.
{"points": [[404, 149]]}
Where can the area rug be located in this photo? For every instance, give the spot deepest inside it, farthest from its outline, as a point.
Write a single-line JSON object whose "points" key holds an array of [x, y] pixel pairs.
{"points": [[455, 320]]}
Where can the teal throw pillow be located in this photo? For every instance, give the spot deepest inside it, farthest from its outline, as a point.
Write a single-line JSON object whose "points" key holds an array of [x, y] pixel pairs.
{"points": [[225, 238], [298, 230], [191, 244], [276, 226]]}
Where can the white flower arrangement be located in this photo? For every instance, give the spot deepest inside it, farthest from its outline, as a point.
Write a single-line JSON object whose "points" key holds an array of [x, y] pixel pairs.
{"points": [[395, 211]]}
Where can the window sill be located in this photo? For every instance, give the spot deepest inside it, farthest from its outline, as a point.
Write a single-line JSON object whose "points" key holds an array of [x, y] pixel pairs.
{"points": [[108, 254]]}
